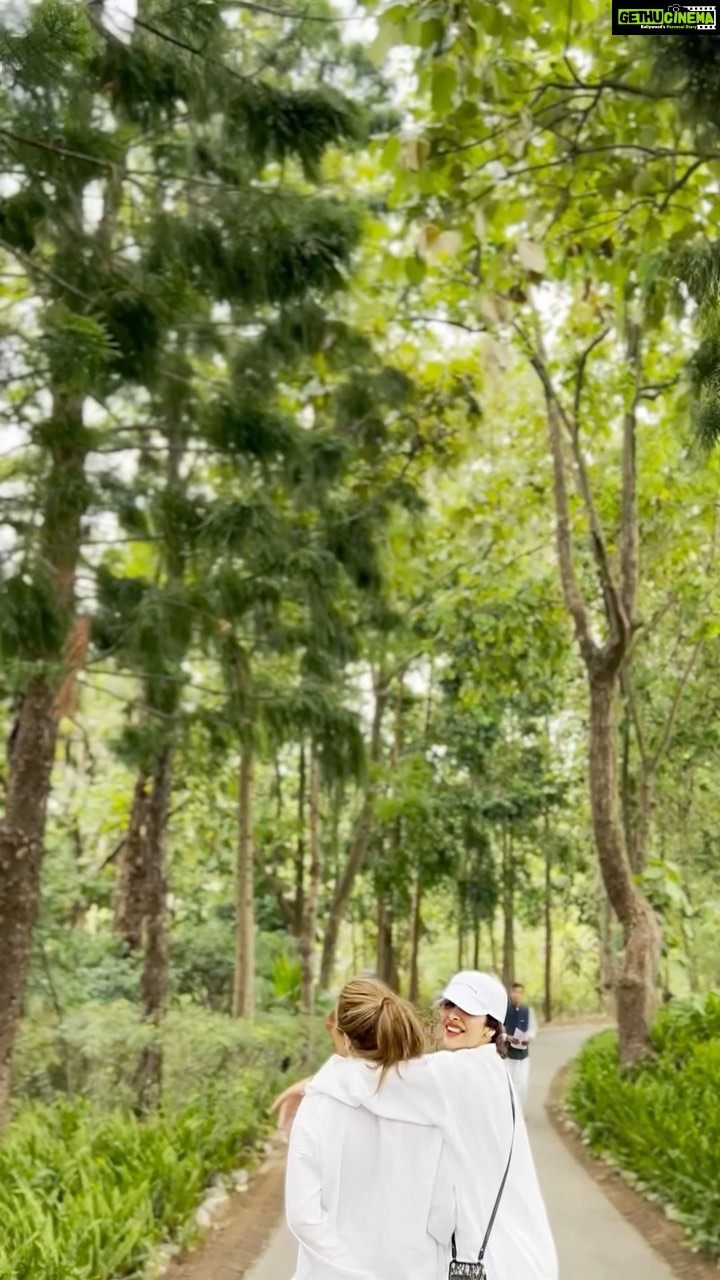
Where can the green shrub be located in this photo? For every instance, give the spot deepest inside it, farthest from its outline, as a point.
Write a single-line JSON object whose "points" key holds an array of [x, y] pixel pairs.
{"points": [[94, 1050], [661, 1120], [685, 1023], [79, 967], [88, 1192]]}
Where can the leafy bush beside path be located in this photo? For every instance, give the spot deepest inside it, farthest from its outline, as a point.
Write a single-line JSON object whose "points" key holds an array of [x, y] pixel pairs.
{"points": [[661, 1121], [88, 1192]]}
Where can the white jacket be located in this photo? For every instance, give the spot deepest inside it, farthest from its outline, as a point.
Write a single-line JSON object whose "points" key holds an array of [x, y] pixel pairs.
{"points": [[367, 1198], [465, 1094]]}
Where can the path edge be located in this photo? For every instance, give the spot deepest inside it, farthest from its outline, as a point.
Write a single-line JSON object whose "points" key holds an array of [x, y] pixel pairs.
{"points": [[665, 1238], [238, 1241]]}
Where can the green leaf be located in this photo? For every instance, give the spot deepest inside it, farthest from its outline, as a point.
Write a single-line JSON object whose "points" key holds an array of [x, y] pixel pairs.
{"points": [[415, 269], [444, 82], [431, 32], [391, 153]]}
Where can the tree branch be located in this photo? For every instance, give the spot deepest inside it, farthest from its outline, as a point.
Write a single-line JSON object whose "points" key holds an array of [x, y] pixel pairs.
{"points": [[615, 86], [669, 728], [617, 622], [277, 888], [629, 695], [580, 375], [454, 324], [617, 619], [679, 183], [574, 600], [54, 149], [629, 534], [251, 6], [97, 867], [651, 390]]}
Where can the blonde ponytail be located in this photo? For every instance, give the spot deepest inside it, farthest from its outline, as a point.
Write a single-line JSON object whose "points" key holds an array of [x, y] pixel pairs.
{"points": [[379, 1025]]}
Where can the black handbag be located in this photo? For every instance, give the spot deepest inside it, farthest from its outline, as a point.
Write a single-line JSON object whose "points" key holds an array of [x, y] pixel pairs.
{"points": [[476, 1270]]}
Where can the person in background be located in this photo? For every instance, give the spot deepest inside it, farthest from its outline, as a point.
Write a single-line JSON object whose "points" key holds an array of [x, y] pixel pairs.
{"points": [[520, 1030]]}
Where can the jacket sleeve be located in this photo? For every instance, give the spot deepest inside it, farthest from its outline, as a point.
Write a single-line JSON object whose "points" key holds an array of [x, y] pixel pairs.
{"points": [[442, 1219], [425, 1090], [306, 1216]]}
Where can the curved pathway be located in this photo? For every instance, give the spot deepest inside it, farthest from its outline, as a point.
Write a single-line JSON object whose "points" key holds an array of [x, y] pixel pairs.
{"points": [[593, 1240]]}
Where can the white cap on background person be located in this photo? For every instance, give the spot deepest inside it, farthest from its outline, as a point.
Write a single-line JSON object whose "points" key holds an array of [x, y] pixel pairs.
{"points": [[477, 993]]}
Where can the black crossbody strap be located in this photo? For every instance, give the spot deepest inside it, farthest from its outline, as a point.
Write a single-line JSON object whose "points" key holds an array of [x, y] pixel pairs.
{"points": [[493, 1215]]}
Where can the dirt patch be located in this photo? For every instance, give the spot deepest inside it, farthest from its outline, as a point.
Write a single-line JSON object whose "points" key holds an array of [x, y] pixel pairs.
{"points": [[666, 1238], [230, 1249]]}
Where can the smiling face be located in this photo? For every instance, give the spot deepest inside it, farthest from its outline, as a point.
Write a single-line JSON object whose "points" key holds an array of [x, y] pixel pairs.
{"points": [[462, 1030]]}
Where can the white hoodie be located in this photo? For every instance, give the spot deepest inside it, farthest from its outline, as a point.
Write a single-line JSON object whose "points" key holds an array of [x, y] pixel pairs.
{"points": [[367, 1198], [465, 1094]]}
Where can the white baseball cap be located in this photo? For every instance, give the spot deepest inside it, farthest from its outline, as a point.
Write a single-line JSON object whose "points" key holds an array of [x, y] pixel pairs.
{"points": [[477, 993]]}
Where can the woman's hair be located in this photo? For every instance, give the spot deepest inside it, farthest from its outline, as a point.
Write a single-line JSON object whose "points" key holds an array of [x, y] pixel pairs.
{"points": [[498, 1035], [380, 1026]]}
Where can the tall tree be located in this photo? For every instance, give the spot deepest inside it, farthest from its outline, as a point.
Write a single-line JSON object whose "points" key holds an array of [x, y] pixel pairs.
{"points": [[125, 279], [562, 147]]}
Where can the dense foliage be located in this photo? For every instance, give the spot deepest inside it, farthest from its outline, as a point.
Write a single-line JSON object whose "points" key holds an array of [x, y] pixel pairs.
{"points": [[87, 1191], [660, 1123]]}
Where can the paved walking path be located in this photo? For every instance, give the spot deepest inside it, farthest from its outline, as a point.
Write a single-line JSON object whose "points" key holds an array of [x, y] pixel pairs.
{"points": [[593, 1240]]}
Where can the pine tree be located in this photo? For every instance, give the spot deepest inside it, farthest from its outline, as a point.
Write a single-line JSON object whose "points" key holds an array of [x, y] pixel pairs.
{"points": [[137, 211]]}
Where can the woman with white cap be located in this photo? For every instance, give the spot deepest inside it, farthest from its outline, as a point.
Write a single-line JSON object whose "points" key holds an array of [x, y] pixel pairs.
{"points": [[470, 1099]]}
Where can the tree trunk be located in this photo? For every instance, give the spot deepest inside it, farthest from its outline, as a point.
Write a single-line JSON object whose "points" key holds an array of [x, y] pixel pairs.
{"points": [[476, 943], [508, 888], [381, 941], [636, 985], [636, 994], [636, 799], [300, 849], [393, 979], [386, 960], [493, 946], [244, 986], [462, 903], [21, 834], [155, 969], [646, 799], [416, 924], [357, 852], [31, 748], [606, 962], [157, 808], [627, 799], [309, 922], [415, 932], [331, 871], [130, 883], [548, 1009]]}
